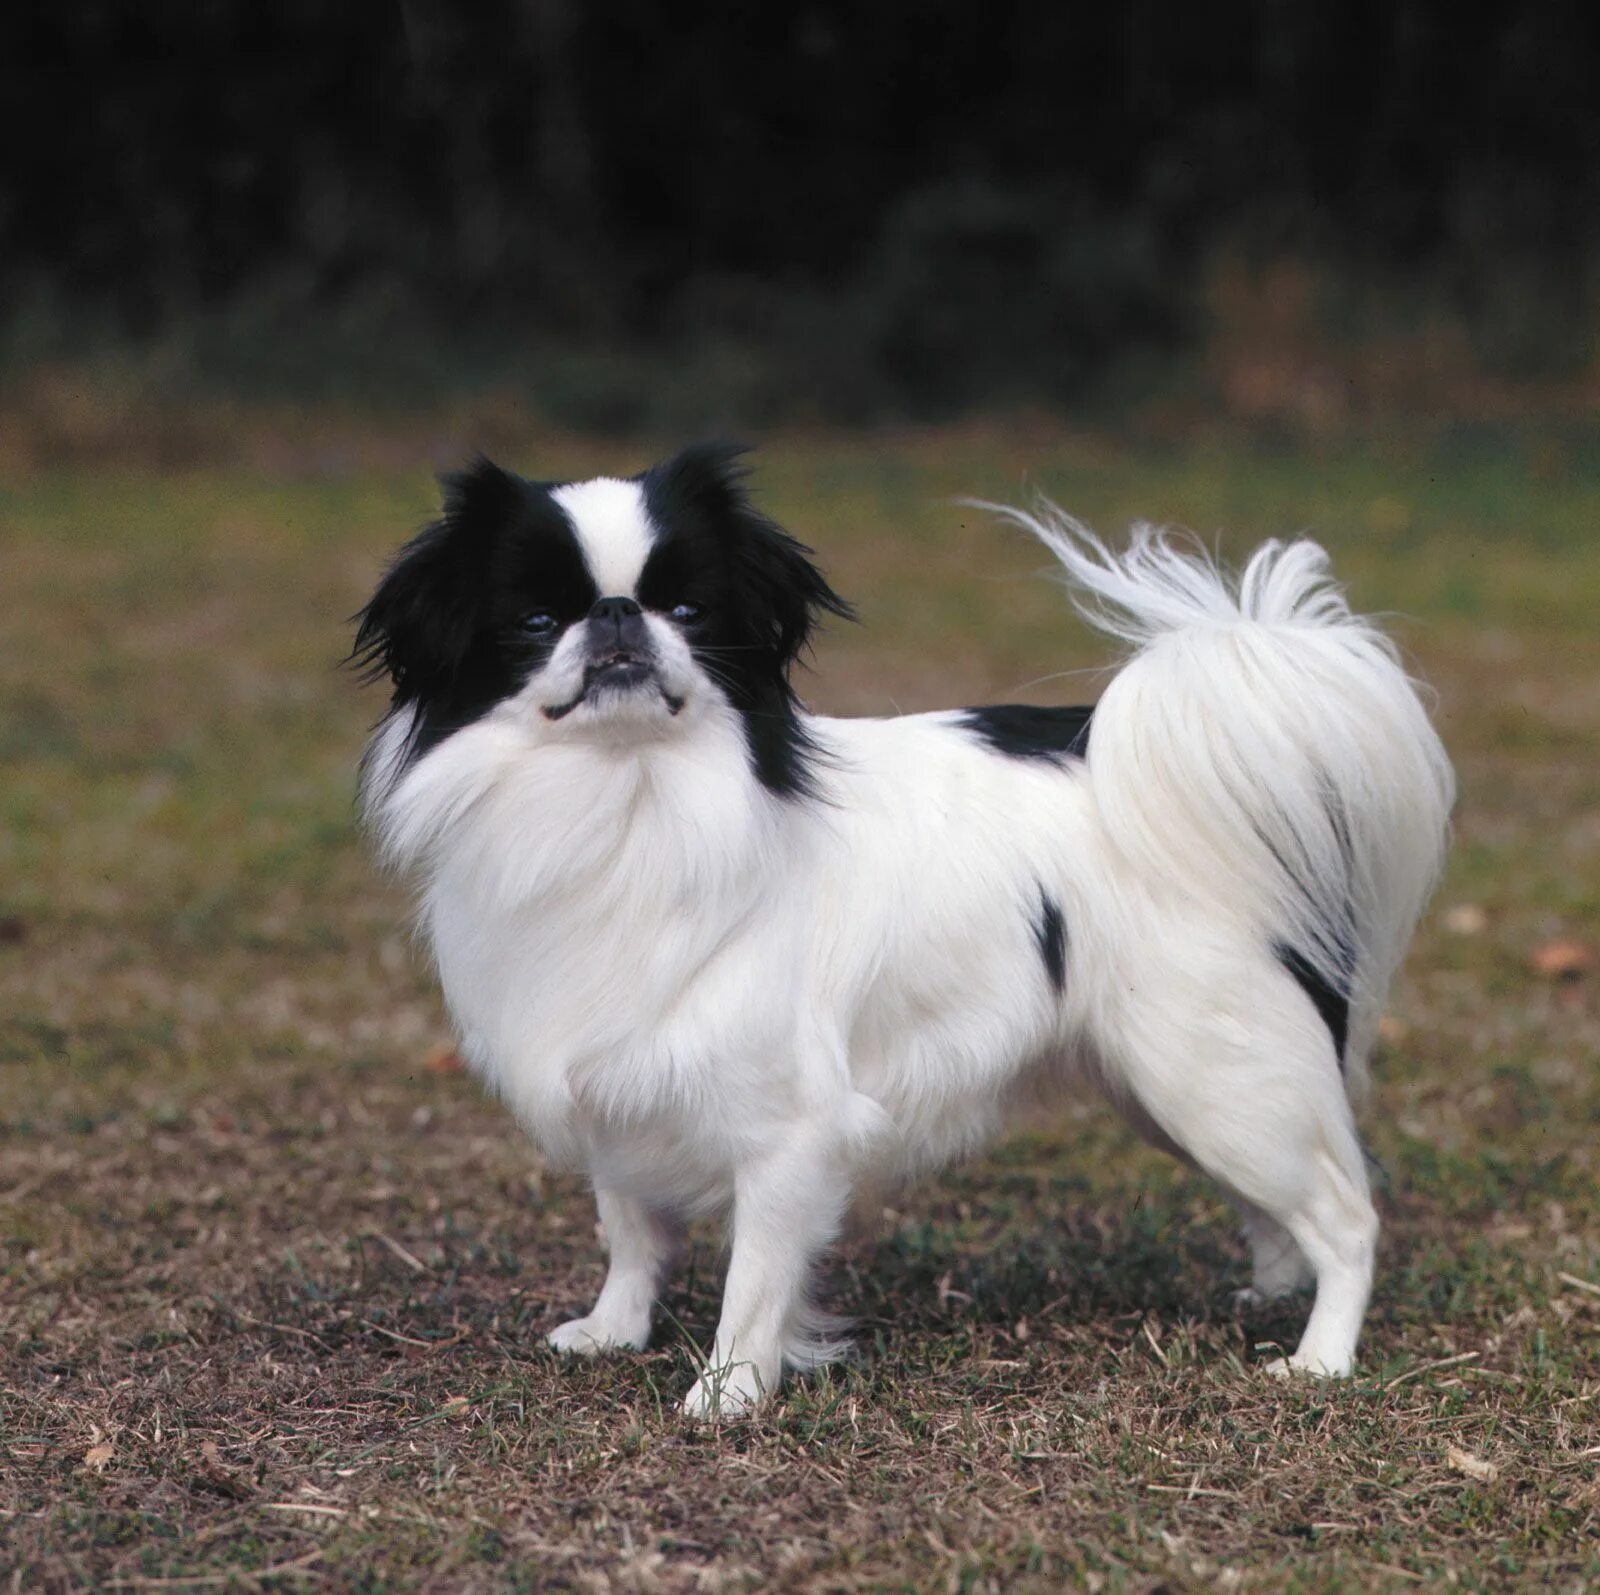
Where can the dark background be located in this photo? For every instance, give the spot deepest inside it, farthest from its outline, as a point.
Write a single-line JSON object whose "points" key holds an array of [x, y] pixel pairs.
{"points": [[815, 210]]}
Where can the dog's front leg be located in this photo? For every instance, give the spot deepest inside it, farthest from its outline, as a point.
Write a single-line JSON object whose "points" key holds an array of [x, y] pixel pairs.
{"points": [[643, 1243], [786, 1209]]}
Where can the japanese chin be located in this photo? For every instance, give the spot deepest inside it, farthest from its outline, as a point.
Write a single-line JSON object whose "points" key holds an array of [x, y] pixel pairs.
{"points": [[725, 956]]}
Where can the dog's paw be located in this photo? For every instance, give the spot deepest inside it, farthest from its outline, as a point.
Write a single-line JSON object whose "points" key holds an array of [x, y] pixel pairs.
{"points": [[588, 1337], [724, 1393], [1289, 1367]]}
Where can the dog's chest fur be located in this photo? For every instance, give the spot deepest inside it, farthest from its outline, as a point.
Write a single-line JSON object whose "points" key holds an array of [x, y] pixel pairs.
{"points": [[603, 922]]}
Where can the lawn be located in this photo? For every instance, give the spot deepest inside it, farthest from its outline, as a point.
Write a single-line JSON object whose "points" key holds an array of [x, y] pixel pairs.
{"points": [[273, 1276]]}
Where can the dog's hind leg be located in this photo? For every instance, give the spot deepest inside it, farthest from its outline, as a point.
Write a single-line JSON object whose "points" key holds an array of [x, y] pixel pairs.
{"points": [[1237, 1071], [643, 1244], [1278, 1266]]}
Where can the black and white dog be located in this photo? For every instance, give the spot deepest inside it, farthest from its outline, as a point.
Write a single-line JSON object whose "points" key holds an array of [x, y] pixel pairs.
{"points": [[724, 955]]}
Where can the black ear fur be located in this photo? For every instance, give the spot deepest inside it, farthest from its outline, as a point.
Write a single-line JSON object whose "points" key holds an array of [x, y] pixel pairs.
{"points": [[763, 612], [421, 621], [781, 588]]}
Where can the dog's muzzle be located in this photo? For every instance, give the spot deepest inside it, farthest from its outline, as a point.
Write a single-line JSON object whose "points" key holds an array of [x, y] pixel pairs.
{"points": [[621, 657]]}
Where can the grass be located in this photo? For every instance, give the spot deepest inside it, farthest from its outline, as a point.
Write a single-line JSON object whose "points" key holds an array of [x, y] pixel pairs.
{"points": [[271, 1288]]}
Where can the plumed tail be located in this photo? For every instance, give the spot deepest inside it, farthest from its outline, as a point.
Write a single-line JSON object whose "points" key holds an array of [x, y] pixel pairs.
{"points": [[1264, 751]]}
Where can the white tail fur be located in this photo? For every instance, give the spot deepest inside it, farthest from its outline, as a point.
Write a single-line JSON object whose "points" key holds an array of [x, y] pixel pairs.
{"points": [[1264, 750]]}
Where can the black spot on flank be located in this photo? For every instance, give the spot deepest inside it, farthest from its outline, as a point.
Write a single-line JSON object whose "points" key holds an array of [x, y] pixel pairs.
{"points": [[1021, 731], [1332, 1004], [1050, 931]]}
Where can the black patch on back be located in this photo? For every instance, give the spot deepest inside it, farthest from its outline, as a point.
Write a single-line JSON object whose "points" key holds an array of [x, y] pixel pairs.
{"points": [[1331, 1003], [761, 595], [1050, 932], [1021, 731]]}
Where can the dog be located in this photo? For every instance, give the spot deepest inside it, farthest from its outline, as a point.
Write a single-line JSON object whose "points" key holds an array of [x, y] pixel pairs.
{"points": [[726, 956]]}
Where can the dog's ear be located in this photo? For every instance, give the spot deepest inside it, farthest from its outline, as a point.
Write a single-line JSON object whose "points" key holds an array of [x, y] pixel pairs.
{"points": [[780, 591], [420, 624]]}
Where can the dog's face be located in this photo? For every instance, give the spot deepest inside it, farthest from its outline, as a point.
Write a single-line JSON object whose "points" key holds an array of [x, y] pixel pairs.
{"points": [[605, 608]]}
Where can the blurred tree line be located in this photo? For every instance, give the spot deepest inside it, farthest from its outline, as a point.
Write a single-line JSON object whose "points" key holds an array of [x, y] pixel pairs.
{"points": [[825, 207]]}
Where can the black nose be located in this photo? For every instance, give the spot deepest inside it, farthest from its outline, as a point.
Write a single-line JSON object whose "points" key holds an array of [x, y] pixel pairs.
{"points": [[616, 625]]}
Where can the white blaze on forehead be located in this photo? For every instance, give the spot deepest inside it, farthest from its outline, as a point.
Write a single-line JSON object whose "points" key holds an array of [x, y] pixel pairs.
{"points": [[613, 528]]}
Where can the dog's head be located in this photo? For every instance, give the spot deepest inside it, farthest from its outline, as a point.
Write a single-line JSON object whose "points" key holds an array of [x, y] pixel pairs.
{"points": [[601, 609]]}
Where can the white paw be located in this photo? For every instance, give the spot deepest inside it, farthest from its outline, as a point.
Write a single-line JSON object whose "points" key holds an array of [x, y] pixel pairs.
{"points": [[724, 1392], [1288, 1367], [586, 1337]]}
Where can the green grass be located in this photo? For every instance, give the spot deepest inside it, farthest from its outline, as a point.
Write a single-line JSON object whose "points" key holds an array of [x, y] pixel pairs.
{"points": [[271, 1291]]}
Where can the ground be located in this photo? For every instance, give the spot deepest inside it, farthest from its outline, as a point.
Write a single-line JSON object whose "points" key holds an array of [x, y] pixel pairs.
{"points": [[273, 1277]]}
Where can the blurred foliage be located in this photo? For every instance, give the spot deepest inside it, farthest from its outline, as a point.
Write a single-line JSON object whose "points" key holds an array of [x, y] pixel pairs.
{"points": [[820, 209]]}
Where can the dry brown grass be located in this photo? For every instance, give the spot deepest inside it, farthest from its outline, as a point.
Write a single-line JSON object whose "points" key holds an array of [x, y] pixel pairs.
{"points": [[271, 1290]]}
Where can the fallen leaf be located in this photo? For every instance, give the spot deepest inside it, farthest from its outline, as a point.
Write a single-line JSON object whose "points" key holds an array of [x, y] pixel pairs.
{"points": [[1562, 959], [1466, 919], [444, 1060], [97, 1456], [214, 1471], [1473, 1466]]}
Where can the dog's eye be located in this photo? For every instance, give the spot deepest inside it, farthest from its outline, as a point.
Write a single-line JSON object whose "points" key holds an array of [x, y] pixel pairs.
{"points": [[688, 614], [537, 623]]}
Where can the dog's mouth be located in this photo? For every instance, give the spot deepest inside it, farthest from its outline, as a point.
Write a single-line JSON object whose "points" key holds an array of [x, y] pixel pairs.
{"points": [[618, 670]]}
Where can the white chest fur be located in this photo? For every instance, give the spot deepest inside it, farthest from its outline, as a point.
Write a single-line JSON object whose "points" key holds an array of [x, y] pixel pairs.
{"points": [[602, 920]]}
